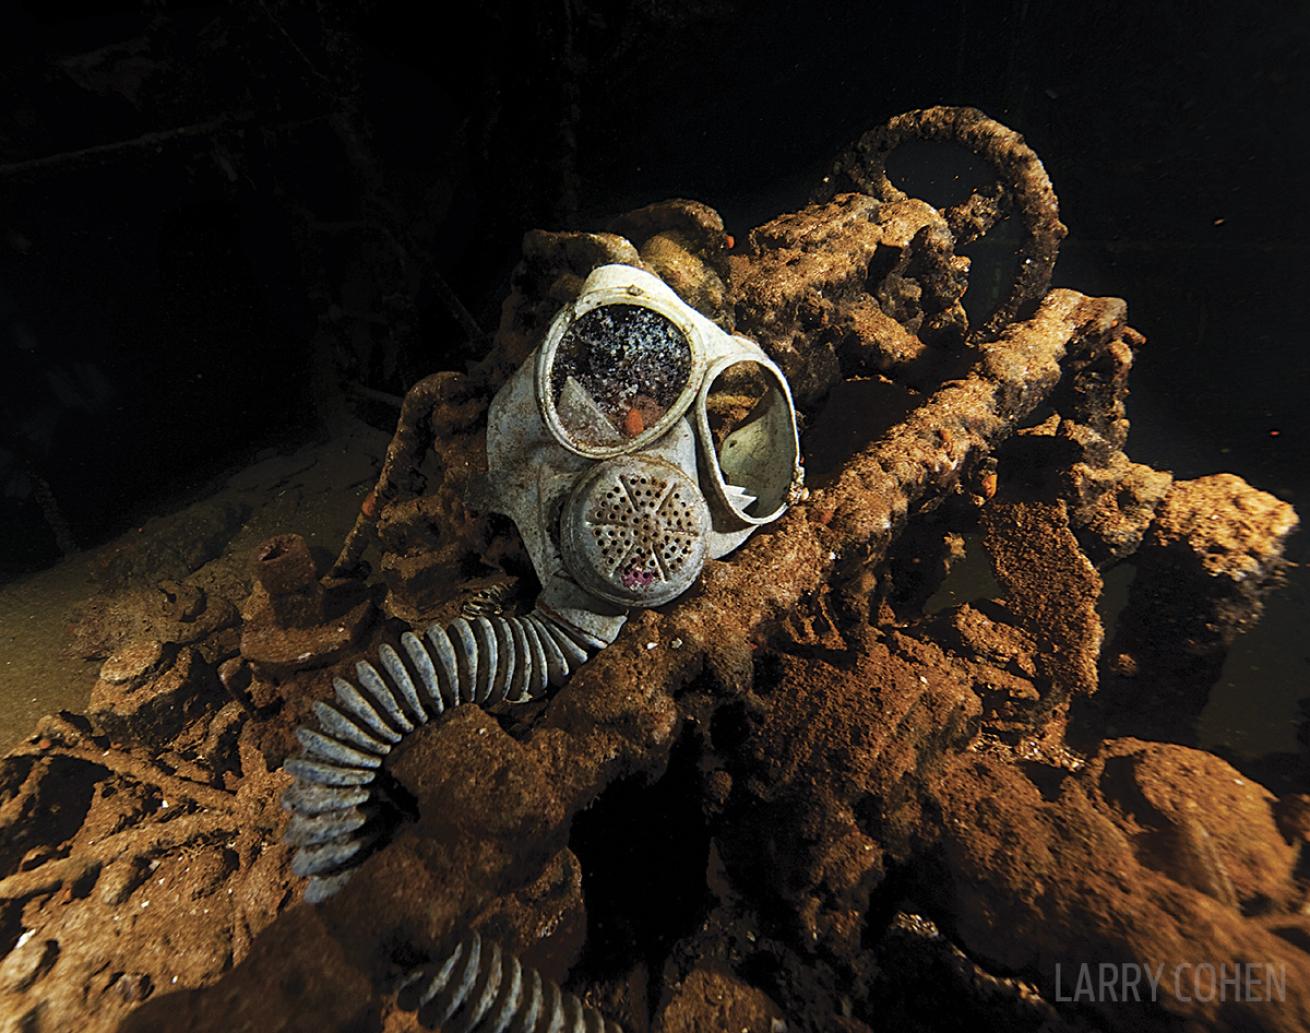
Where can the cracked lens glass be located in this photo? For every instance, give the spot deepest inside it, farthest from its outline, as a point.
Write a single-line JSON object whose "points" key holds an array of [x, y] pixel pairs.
{"points": [[748, 420], [617, 371]]}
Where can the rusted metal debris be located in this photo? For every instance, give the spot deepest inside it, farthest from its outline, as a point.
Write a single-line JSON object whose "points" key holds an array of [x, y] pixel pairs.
{"points": [[1022, 189], [832, 730]]}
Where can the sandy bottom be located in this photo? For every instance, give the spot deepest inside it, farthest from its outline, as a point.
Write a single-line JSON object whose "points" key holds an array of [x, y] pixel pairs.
{"points": [[314, 490]]}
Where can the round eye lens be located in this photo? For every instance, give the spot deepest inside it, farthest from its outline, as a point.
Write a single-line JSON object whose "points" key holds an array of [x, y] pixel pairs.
{"points": [[617, 371], [752, 433]]}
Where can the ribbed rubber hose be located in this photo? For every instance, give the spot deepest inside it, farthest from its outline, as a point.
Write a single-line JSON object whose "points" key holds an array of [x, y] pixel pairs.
{"points": [[482, 659], [478, 988]]}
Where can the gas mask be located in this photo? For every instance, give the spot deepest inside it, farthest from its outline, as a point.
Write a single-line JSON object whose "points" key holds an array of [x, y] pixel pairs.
{"points": [[638, 440]]}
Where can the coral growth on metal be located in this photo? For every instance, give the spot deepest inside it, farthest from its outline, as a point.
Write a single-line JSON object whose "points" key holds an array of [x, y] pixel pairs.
{"points": [[807, 795]]}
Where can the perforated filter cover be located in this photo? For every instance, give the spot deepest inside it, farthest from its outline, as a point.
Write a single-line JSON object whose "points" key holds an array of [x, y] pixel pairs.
{"points": [[634, 531]]}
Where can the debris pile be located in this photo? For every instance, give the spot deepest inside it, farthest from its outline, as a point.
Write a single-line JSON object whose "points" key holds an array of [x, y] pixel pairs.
{"points": [[795, 798]]}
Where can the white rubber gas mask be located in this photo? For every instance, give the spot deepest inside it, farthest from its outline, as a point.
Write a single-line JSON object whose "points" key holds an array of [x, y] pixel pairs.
{"points": [[638, 440]]}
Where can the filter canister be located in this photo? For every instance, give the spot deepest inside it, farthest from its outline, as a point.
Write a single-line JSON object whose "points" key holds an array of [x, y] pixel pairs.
{"points": [[633, 531]]}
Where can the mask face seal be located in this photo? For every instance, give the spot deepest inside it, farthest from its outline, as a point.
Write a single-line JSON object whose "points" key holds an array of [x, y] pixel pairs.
{"points": [[638, 441]]}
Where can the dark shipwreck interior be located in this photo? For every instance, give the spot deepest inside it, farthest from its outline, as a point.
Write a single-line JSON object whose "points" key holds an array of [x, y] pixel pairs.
{"points": [[1003, 724]]}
